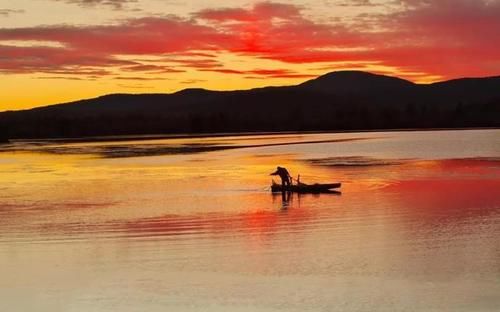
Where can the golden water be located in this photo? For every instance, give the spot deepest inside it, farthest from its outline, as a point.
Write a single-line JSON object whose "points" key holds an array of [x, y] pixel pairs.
{"points": [[417, 226]]}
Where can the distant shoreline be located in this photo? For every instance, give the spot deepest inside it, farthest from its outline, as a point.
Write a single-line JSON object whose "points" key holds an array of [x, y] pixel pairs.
{"points": [[337, 102], [148, 137]]}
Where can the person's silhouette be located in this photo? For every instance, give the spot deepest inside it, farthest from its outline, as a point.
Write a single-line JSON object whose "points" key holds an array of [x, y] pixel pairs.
{"points": [[284, 175]]}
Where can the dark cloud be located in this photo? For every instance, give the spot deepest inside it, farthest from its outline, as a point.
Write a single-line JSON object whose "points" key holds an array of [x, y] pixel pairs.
{"points": [[156, 69], [8, 12], [116, 4], [356, 3], [261, 73], [140, 78]]}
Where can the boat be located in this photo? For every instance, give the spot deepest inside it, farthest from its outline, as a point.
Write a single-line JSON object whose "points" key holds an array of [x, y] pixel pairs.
{"points": [[303, 188]]}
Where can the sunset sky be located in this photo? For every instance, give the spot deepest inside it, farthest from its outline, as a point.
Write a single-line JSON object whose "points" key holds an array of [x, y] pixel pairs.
{"points": [[53, 51]]}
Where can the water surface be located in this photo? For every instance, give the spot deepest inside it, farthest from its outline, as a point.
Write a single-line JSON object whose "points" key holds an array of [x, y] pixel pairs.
{"points": [[189, 224]]}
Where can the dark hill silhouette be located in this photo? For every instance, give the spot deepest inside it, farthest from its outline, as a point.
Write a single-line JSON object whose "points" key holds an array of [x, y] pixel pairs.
{"points": [[347, 100], [3, 137], [349, 82]]}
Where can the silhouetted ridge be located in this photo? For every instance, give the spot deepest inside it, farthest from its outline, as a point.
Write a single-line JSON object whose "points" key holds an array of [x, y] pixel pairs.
{"points": [[194, 91], [348, 100], [3, 137], [346, 82]]}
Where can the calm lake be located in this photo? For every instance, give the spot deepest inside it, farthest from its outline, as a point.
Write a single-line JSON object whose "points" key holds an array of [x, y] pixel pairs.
{"points": [[189, 224]]}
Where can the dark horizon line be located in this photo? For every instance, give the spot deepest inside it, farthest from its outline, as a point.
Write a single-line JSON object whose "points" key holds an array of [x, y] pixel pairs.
{"points": [[256, 88]]}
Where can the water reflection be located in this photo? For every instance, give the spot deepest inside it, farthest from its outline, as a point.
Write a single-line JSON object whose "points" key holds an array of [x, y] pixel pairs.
{"points": [[412, 230], [285, 198]]}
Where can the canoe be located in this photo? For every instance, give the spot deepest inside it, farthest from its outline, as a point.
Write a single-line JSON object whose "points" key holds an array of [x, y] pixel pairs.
{"points": [[306, 188]]}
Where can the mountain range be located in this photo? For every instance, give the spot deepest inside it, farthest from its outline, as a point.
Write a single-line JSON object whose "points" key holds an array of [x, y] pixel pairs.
{"points": [[345, 100]]}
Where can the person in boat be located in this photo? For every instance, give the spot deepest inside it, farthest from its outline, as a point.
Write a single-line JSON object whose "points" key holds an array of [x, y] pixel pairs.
{"points": [[286, 179]]}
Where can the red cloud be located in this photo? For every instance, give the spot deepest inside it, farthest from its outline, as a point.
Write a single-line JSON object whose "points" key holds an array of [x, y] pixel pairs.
{"points": [[54, 60], [273, 29], [450, 38], [139, 36], [99, 45], [260, 12], [442, 37]]}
